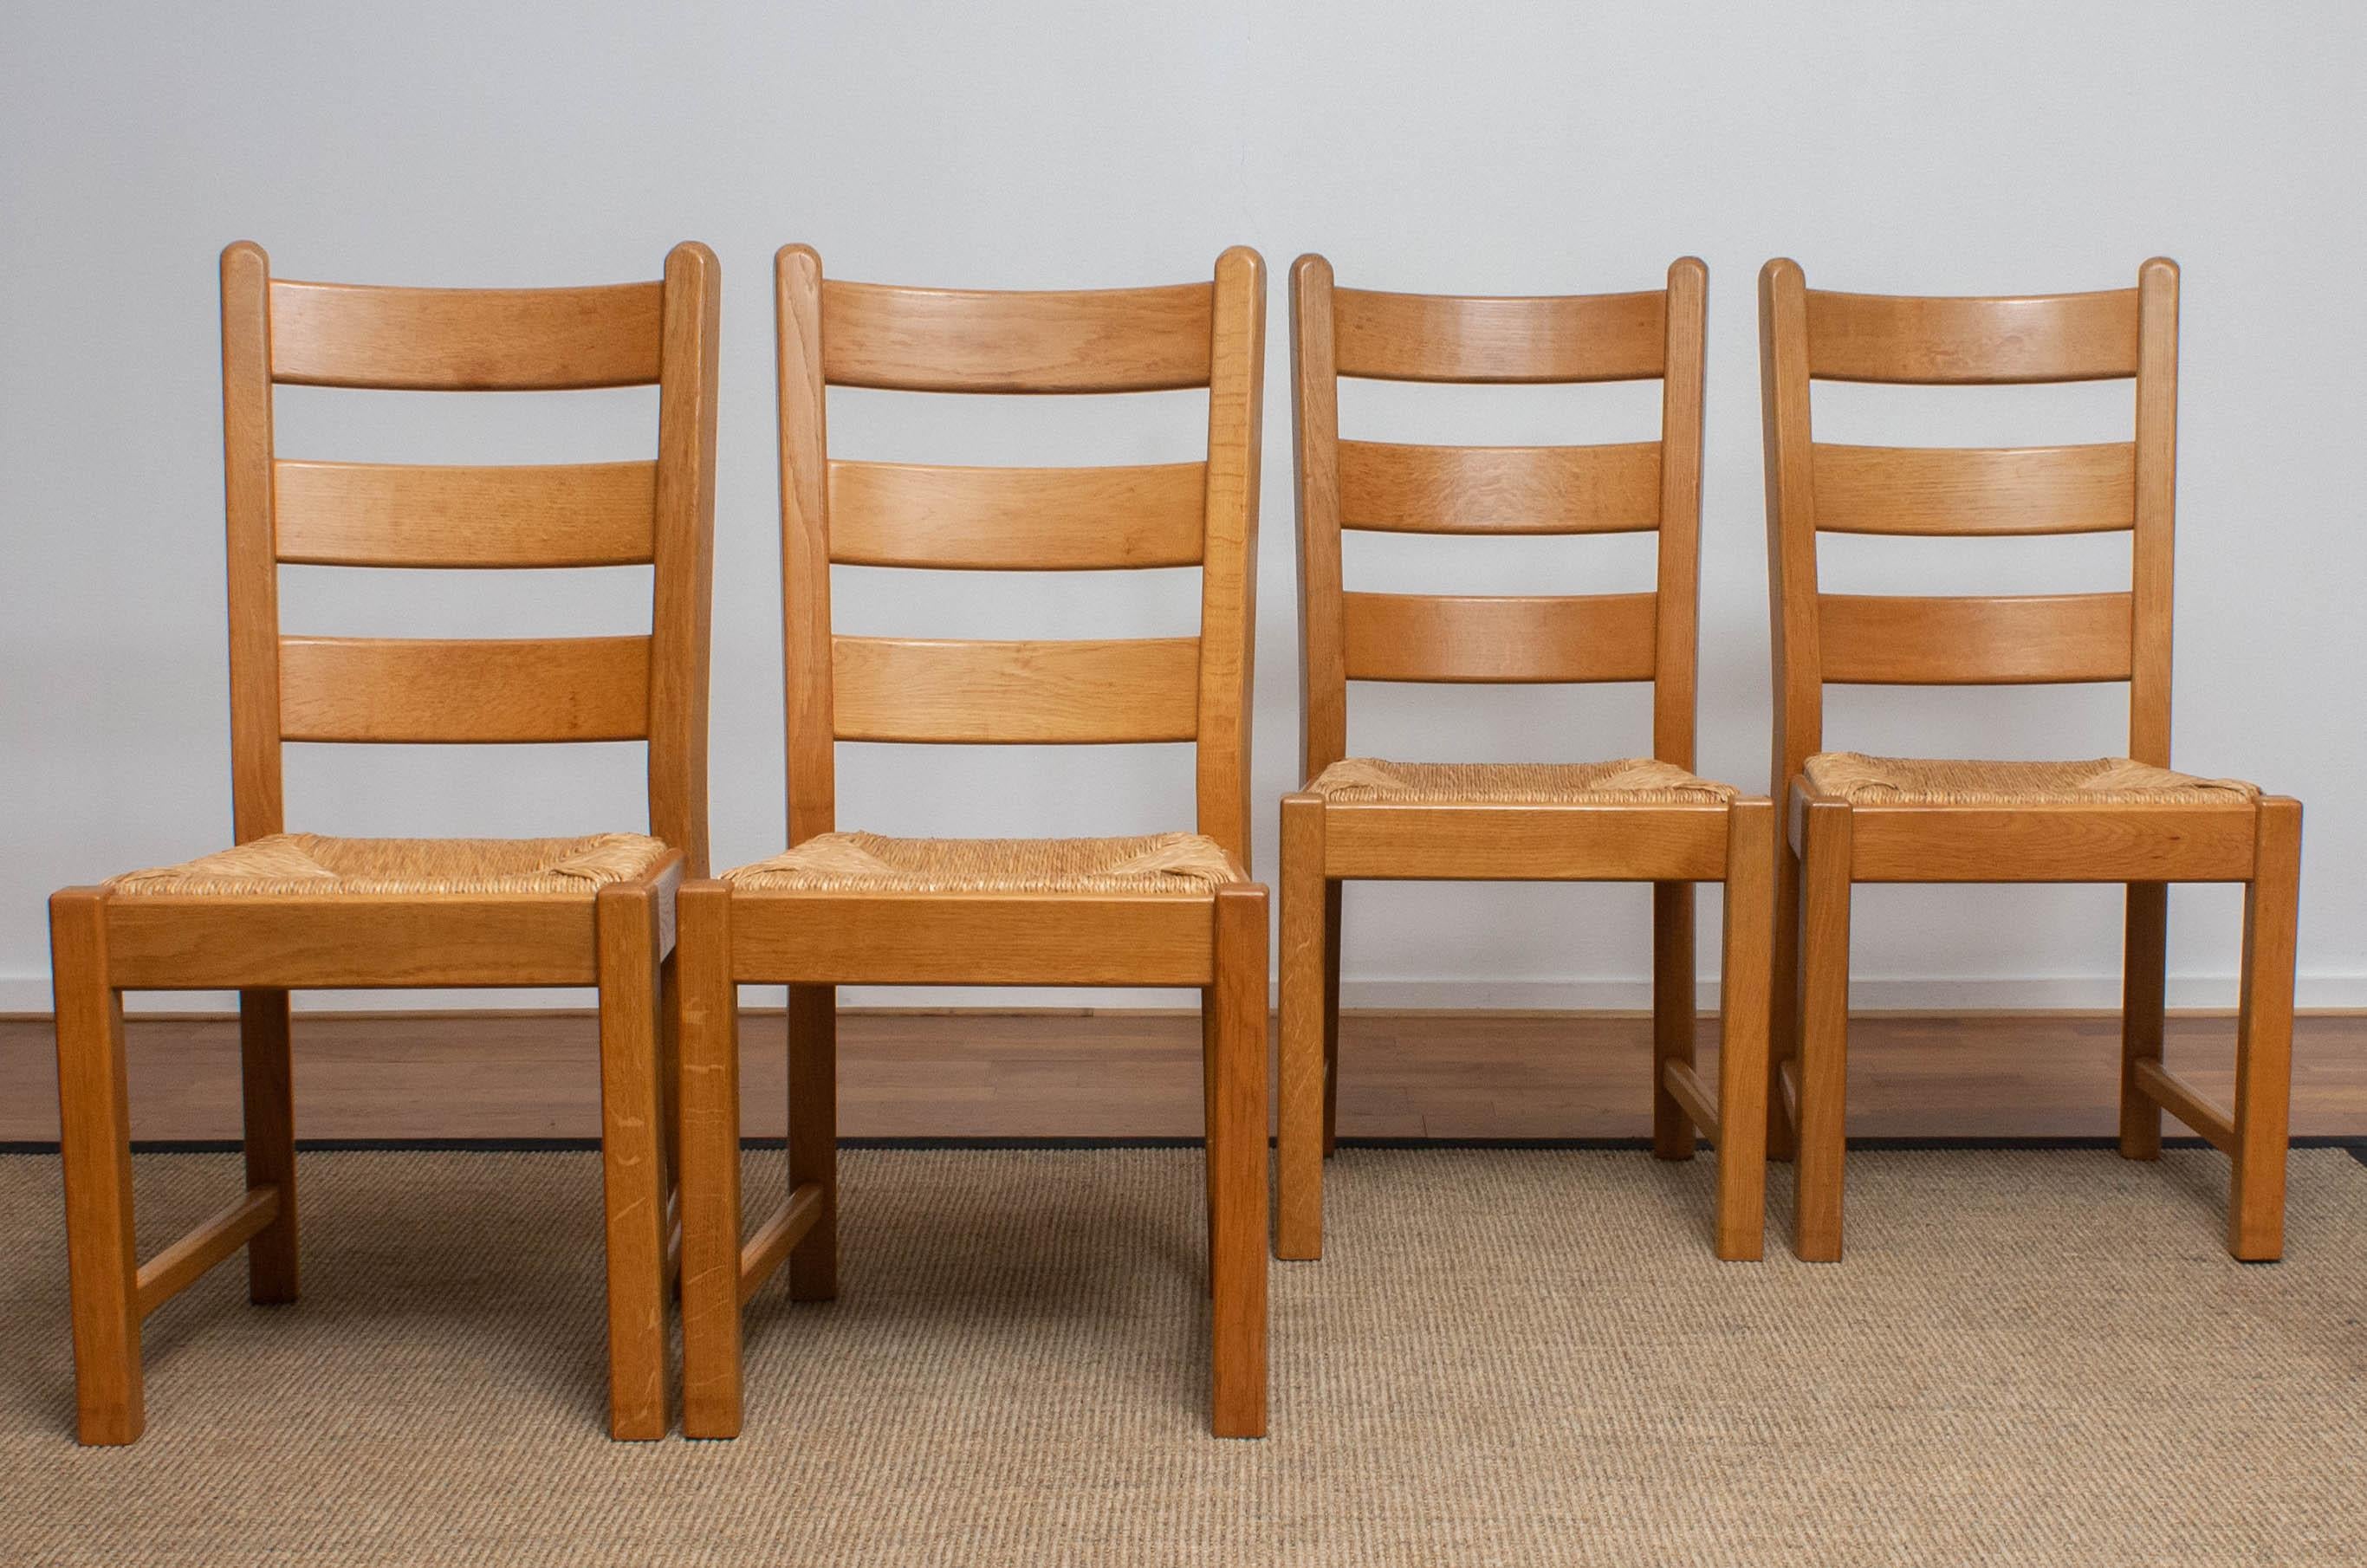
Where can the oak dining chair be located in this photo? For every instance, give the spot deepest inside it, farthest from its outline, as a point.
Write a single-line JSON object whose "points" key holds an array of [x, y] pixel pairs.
{"points": [[1638, 819], [858, 909], [281, 911], [2129, 819]]}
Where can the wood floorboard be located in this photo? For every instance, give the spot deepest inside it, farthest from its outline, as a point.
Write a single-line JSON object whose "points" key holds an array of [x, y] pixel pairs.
{"points": [[1410, 1074]]}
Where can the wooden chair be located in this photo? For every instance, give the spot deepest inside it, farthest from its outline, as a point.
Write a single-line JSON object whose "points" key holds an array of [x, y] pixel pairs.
{"points": [[853, 908], [284, 911], [2129, 819], [1644, 819]]}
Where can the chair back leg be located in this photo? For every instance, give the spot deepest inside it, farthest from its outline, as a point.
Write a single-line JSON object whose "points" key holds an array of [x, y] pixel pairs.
{"points": [[1673, 1132], [814, 1135], [267, 1080]]}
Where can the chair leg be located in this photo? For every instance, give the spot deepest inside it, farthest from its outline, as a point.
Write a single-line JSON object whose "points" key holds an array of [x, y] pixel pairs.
{"points": [[814, 1135], [1209, 1010], [2256, 1218], [1306, 1071], [267, 1080], [94, 1124], [632, 1162], [1742, 1037], [1782, 988], [2144, 973], [1237, 1162], [709, 1096], [670, 1066], [1823, 1044], [1334, 896], [1673, 1132]]}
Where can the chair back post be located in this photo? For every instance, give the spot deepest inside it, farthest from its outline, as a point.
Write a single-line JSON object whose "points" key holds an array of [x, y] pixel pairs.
{"points": [[1791, 521], [1390, 487], [1677, 617], [2111, 487], [1228, 551], [256, 799], [682, 613], [2156, 503], [805, 544], [658, 513], [859, 512], [1315, 439]]}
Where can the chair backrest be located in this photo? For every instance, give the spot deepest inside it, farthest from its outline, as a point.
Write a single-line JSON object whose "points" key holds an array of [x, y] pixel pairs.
{"points": [[658, 513], [1628, 487], [895, 514], [1807, 336]]}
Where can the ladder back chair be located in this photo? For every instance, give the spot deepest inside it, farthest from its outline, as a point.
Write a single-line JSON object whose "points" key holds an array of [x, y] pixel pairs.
{"points": [[2129, 819], [282, 911], [855, 908], [1641, 820]]}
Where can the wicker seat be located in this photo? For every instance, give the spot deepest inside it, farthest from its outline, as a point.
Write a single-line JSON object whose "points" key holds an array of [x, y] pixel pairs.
{"points": [[309, 864], [1161, 864], [1633, 781], [2102, 781]]}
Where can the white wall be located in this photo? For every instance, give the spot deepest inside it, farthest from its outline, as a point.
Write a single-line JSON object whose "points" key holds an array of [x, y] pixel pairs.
{"points": [[1521, 148]]}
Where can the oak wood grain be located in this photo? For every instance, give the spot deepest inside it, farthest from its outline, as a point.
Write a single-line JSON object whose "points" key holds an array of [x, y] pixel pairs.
{"points": [[414, 514]]}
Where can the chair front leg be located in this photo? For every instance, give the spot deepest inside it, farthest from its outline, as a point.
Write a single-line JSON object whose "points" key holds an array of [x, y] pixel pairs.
{"points": [[95, 1127], [632, 1160], [1305, 1023], [1236, 1164], [266, 1075], [2256, 1218], [1742, 1040], [707, 1092], [1335, 895], [1823, 1044], [2145, 952], [1784, 986]]}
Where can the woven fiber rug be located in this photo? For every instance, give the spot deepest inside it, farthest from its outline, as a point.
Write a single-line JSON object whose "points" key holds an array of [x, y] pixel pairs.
{"points": [[1509, 1356]]}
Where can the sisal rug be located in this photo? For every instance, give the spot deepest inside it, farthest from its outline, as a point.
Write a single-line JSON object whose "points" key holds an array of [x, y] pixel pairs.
{"points": [[1509, 1356]]}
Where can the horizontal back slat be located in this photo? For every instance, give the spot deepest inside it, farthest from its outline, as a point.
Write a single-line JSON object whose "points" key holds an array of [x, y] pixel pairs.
{"points": [[1020, 519], [951, 340], [464, 340], [408, 514], [1424, 636], [1444, 337], [2041, 337], [1389, 487], [933, 690], [501, 690], [1900, 639], [1987, 491]]}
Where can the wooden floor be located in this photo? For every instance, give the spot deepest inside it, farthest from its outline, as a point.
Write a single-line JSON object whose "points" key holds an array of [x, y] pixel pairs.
{"points": [[1415, 1075]]}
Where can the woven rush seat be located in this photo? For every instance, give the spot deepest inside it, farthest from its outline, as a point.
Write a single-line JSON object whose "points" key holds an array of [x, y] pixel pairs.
{"points": [[2101, 781], [1170, 864], [314, 865], [1631, 780]]}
